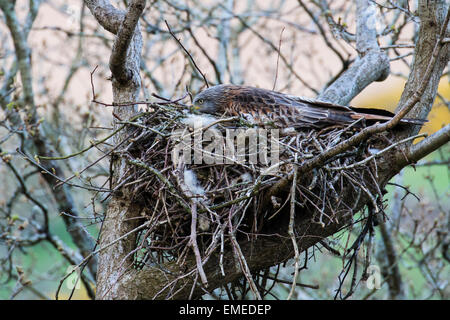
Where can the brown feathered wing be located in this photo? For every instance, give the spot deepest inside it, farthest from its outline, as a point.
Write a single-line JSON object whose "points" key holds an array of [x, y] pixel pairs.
{"points": [[265, 107]]}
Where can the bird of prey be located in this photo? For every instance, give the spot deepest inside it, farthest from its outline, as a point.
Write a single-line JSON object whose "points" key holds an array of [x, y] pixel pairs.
{"points": [[269, 108]]}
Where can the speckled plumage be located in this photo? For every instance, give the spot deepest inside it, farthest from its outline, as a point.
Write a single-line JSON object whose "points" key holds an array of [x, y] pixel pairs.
{"points": [[269, 108]]}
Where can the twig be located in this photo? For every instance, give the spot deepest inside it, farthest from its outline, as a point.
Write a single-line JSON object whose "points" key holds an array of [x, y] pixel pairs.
{"points": [[362, 162], [278, 59], [187, 52], [46, 171], [275, 279], [193, 243], [292, 235]]}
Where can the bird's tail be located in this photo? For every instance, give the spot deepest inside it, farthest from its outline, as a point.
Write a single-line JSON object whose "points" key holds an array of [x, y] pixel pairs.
{"points": [[374, 115]]}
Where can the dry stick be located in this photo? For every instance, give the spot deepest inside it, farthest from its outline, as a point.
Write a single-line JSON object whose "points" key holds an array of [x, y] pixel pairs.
{"points": [[92, 83], [134, 124], [211, 61], [278, 59], [193, 286], [283, 58], [193, 243], [244, 266], [275, 279], [176, 101], [353, 165], [241, 259], [187, 52], [292, 234]]}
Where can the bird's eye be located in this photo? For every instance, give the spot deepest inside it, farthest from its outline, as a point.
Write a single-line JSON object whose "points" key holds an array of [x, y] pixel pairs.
{"points": [[200, 101]]}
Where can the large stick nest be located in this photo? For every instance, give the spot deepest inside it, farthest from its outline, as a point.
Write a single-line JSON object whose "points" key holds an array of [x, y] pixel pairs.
{"points": [[206, 207]]}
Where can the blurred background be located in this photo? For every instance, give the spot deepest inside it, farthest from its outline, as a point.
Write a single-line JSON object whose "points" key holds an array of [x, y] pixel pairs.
{"points": [[291, 46]]}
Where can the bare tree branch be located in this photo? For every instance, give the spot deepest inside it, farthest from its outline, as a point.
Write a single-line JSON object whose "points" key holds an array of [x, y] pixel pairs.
{"points": [[372, 64], [106, 14], [117, 61], [430, 144]]}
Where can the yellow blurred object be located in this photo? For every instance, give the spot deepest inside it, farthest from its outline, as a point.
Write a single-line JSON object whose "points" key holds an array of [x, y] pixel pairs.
{"points": [[371, 97]]}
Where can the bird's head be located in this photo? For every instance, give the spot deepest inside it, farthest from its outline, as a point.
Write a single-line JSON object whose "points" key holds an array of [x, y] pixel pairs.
{"points": [[211, 100]]}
